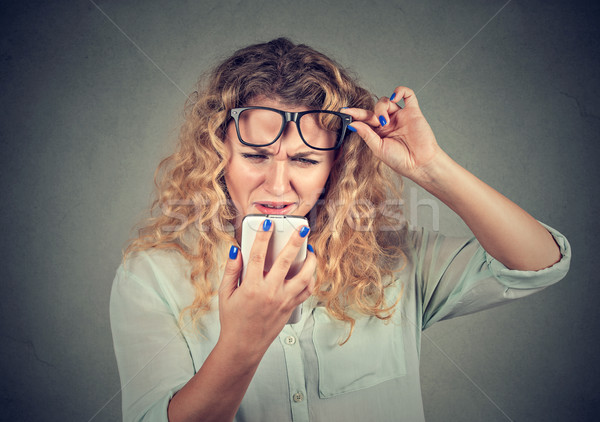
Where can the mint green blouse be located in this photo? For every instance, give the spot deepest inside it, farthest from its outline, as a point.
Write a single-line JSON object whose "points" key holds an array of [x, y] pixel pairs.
{"points": [[305, 375]]}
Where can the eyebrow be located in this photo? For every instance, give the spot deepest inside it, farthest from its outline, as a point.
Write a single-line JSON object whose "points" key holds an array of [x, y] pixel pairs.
{"points": [[307, 154], [265, 151], [260, 150]]}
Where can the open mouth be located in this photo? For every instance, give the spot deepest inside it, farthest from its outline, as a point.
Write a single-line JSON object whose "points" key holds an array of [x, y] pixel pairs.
{"points": [[274, 207]]}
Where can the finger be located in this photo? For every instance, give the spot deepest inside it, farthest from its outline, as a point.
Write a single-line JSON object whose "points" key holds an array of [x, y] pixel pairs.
{"points": [[306, 293], [288, 254], [304, 280], [302, 296], [406, 94], [372, 140], [383, 109], [362, 115], [258, 252], [231, 275]]}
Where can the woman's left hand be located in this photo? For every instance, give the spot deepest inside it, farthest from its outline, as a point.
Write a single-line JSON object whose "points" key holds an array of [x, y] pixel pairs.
{"points": [[407, 144], [400, 137]]}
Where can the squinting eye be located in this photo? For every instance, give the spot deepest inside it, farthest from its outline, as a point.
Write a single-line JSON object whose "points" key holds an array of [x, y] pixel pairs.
{"points": [[306, 161], [254, 156]]}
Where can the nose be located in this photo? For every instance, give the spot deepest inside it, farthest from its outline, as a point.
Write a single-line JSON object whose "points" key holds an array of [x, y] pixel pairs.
{"points": [[277, 180]]}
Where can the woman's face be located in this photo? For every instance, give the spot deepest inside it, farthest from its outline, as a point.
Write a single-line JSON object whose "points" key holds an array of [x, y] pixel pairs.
{"points": [[284, 178]]}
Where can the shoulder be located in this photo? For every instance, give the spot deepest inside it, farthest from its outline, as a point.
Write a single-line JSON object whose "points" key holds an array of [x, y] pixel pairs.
{"points": [[160, 270], [161, 262], [421, 243]]}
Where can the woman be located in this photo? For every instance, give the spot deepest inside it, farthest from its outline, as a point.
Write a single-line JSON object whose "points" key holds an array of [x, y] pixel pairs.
{"points": [[193, 345]]}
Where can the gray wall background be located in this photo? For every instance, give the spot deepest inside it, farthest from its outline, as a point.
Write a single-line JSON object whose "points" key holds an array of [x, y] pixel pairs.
{"points": [[92, 100]]}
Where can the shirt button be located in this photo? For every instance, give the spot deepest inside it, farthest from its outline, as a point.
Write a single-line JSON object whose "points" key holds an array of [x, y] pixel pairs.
{"points": [[290, 340], [298, 397]]}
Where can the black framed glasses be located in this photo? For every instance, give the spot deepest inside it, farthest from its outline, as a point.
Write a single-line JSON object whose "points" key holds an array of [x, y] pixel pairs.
{"points": [[262, 126]]}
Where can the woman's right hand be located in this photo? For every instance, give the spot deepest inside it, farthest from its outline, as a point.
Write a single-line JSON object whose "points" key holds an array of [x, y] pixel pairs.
{"points": [[251, 315], [254, 313]]}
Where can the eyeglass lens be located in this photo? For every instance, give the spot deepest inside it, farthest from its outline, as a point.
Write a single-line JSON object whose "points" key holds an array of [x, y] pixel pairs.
{"points": [[261, 127]]}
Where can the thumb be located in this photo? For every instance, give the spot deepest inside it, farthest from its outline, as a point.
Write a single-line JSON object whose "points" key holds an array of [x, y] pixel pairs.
{"points": [[232, 272]]}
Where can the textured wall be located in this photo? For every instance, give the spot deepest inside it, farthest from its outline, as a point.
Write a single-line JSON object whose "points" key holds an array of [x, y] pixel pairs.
{"points": [[91, 100]]}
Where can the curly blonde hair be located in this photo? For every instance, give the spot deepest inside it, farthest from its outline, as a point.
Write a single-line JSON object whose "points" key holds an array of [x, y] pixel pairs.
{"points": [[358, 244]]}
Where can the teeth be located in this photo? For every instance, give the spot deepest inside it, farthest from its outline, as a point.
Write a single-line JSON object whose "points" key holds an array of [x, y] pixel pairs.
{"points": [[274, 206]]}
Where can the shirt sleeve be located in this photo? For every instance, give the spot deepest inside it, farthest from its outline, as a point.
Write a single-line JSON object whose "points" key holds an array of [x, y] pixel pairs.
{"points": [[152, 355], [457, 276]]}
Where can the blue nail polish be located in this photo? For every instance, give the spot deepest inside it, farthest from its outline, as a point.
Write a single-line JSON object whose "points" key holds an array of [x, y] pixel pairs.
{"points": [[304, 231], [351, 129], [382, 121], [393, 96], [344, 108], [267, 225], [233, 252], [310, 248]]}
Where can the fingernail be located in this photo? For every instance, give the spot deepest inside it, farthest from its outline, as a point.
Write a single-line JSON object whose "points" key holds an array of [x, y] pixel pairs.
{"points": [[310, 248], [267, 225], [233, 252], [382, 121], [344, 108], [304, 231], [351, 128], [393, 96]]}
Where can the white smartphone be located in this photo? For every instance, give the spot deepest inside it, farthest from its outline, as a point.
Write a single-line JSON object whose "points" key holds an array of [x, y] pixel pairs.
{"points": [[283, 228]]}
